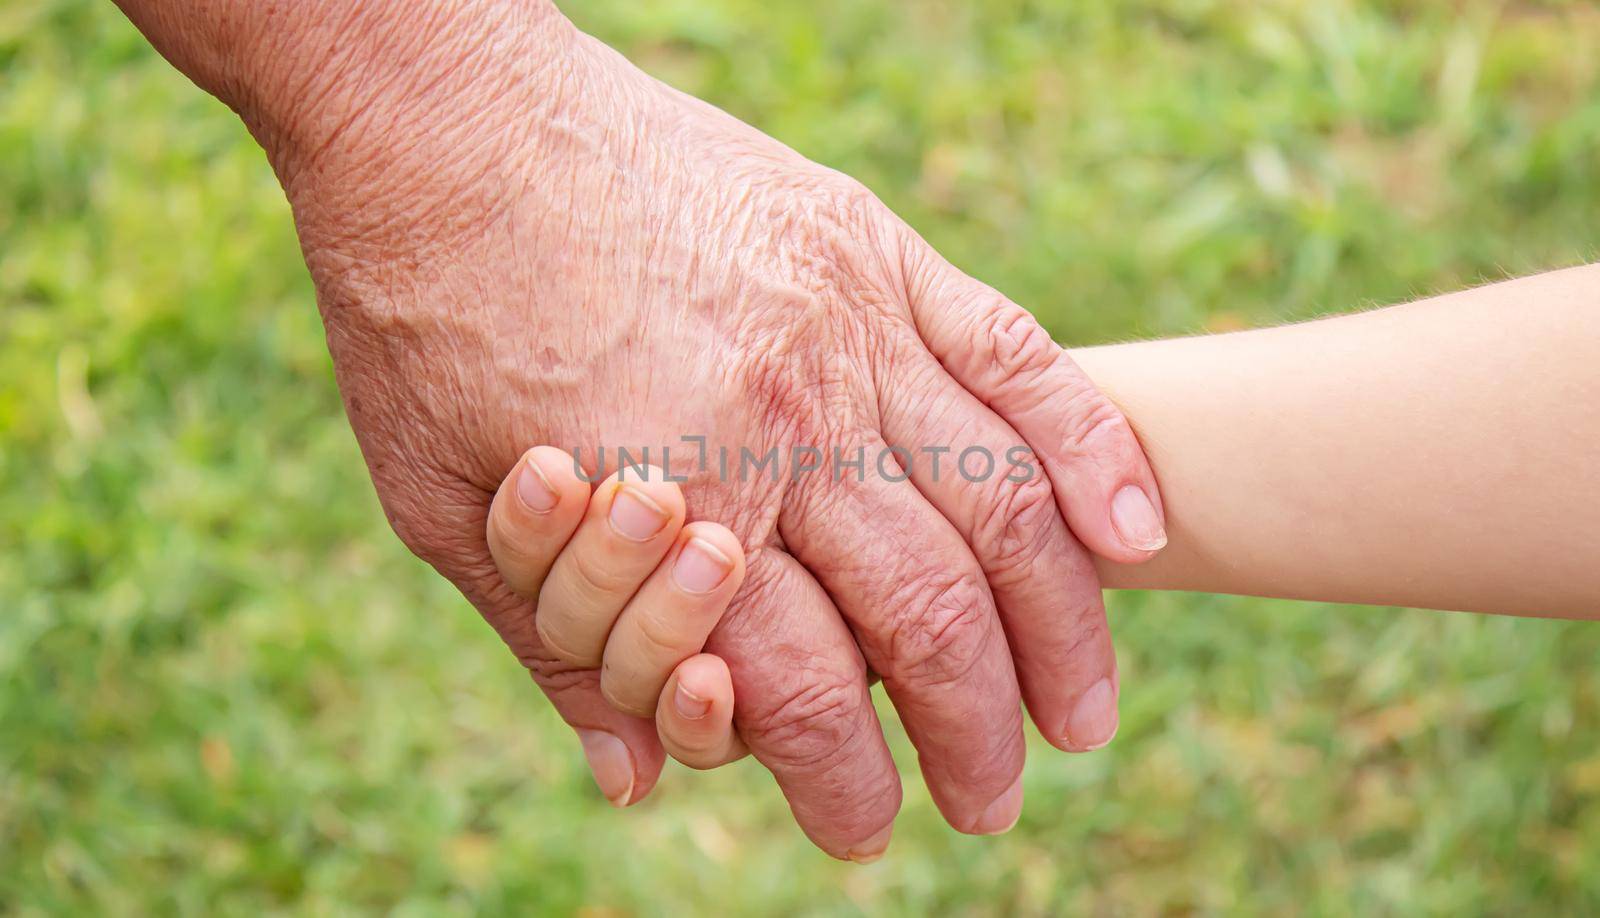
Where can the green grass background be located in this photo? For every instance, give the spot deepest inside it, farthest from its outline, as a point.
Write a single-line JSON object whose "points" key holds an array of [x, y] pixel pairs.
{"points": [[226, 688]]}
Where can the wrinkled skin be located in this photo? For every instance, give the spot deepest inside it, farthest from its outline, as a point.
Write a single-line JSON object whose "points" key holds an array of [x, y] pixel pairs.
{"points": [[518, 238]]}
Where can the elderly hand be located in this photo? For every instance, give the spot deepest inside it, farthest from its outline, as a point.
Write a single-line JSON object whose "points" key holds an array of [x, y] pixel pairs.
{"points": [[517, 237]]}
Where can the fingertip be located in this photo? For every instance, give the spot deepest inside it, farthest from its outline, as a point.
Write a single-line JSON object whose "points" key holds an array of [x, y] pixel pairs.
{"points": [[1135, 510], [561, 470], [873, 848], [720, 536], [689, 702], [610, 764], [640, 504], [711, 560], [705, 677], [534, 512], [1127, 523], [624, 755], [1001, 814], [1094, 720], [543, 492], [1137, 521], [695, 713]]}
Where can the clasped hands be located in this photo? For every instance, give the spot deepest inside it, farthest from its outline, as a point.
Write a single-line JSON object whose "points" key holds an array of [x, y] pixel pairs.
{"points": [[622, 586], [517, 238]]}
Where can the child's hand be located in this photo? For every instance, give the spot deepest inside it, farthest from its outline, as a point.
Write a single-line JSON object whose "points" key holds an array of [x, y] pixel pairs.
{"points": [[624, 585]]}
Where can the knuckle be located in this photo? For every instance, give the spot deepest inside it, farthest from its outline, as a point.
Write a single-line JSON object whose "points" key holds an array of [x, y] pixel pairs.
{"points": [[777, 367], [546, 622], [811, 722], [1016, 523], [939, 628], [852, 203], [594, 577], [660, 639], [625, 694], [801, 388], [1087, 417], [1017, 350]]}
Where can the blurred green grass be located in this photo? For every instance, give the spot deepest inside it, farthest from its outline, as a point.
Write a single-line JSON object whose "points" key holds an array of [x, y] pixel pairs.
{"points": [[225, 687]]}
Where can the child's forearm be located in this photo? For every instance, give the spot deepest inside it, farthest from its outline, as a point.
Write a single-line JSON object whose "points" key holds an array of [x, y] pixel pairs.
{"points": [[1443, 454]]}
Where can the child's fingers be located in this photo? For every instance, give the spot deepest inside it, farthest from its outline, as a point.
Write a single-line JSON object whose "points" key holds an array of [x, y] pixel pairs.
{"points": [[533, 515], [631, 523], [553, 540], [668, 620], [695, 714]]}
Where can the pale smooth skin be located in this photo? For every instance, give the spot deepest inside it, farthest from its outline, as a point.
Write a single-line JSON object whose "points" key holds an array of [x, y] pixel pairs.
{"points": [[1443, 454], [517, 237]]}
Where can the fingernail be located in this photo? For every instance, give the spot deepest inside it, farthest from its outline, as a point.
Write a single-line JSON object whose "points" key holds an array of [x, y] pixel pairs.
{"points": [[701, 567], [1094, 721], [1134, 517], [690, 706], [1002, 814], [635, 516], [873, 848], [534, 489], [610, 764]]}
